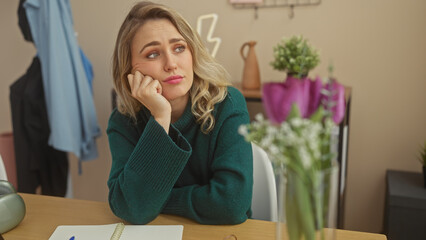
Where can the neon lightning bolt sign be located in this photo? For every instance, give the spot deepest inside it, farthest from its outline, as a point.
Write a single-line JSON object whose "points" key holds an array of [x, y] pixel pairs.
{"points": [[210, 32]]}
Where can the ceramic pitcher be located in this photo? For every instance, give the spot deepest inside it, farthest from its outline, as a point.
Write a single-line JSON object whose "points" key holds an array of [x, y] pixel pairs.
{"points": [[251, 74]]}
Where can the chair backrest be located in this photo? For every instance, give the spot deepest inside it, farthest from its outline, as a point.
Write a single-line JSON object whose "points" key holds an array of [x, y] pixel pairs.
{"points": [[7, 152], [264, 202], [3, 175]]}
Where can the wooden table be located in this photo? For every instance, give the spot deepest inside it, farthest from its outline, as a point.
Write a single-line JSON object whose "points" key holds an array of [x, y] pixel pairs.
{"points": [[45, 213], [251, 95]]}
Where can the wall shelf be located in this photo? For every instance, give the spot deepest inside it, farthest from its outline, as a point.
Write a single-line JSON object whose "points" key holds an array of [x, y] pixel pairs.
{"points": [[276, 4]]}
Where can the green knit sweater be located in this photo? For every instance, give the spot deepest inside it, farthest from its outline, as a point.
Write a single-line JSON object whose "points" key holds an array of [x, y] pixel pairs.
{"points": [[204, 177]]}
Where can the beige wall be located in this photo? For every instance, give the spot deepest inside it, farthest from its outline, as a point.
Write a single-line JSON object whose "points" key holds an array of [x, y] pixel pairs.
{"points": [[378, 47]]}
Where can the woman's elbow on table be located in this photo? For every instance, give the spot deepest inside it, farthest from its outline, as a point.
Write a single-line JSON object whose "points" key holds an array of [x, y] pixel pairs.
{"points": [[235, 216], [230, 214], [236, 219], [134, 216], [142, 215]]}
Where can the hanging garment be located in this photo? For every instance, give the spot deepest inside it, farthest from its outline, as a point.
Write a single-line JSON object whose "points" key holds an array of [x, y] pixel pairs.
{"points": [[87, 69], [23, 22], [70, 107], [26, 32], [37, 164]]}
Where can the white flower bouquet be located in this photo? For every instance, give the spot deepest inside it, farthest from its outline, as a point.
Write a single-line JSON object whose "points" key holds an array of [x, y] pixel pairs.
{"points": [[300, 149]]}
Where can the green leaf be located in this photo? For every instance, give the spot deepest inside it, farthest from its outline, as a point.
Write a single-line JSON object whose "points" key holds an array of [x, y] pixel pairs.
{"points": [[298, 49], [291, 215], [304, 206], [318, 115], [294, 112]]}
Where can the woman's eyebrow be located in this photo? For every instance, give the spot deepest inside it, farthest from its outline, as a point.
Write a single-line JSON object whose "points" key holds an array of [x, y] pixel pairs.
{"points": [[153, 43], [175, 40], [156, 43]]}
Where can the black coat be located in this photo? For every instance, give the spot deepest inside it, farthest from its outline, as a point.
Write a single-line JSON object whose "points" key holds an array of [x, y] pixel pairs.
{"points": [[23, 22], [37, 163]]}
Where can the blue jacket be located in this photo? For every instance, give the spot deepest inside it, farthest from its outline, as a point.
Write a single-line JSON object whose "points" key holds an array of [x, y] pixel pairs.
{"points": [[69, 102]]}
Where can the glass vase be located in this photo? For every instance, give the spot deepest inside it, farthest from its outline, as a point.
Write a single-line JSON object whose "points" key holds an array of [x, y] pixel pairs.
{"points": [[307, 204]]}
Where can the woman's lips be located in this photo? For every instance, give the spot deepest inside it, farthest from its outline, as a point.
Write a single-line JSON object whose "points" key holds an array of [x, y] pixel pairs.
{"points": [[173, 79]]}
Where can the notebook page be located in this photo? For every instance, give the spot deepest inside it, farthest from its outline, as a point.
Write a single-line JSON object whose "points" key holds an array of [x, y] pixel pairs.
{"points": [[130, 232], [152, 232], [83, 232]]}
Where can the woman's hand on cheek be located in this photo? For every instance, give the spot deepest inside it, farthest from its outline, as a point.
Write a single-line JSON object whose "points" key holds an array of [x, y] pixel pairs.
{"points": [[148, 92]]}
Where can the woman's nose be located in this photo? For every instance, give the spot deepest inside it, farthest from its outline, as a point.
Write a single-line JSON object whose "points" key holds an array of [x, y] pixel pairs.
{"points": [[170, 62]]}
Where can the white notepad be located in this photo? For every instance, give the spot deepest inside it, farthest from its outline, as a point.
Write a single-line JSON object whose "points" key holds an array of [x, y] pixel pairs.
{"points": [[129, 232]]}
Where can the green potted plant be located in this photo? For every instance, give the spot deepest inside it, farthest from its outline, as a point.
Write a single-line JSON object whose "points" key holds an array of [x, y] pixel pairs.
{"points": [[422, 159], [295, 56]]}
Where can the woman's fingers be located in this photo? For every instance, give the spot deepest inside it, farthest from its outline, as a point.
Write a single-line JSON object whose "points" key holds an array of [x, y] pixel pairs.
{"points": [[148, 92], [157, 86], [134, 83], [137, 81], [143, 87], [145, 81], [130, 79]]}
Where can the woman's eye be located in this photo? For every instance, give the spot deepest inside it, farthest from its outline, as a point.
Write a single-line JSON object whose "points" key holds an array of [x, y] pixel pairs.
{"points": [[180, 49], [152, 55]]}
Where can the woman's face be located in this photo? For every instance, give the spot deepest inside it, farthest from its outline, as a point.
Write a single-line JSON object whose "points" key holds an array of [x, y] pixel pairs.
{"points": [[158, 50]]}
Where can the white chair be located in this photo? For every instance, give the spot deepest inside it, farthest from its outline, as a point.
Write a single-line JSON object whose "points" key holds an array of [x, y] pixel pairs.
{"points": [[264, 202], [3, 175]]}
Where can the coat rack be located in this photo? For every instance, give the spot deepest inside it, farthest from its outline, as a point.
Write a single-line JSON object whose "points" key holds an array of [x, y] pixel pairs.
{"points": [[256, 4]]}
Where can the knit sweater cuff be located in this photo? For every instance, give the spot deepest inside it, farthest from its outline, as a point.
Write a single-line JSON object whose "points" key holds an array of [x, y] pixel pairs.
{"points": [[160, 168], [177, 203]]}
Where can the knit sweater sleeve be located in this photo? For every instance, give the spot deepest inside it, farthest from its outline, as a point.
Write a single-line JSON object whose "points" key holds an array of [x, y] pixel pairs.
{"points": [[144, 168], [226, 199]]}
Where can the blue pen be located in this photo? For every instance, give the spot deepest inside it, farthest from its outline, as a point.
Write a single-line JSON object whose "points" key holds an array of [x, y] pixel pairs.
{"points": [[72, 238]]}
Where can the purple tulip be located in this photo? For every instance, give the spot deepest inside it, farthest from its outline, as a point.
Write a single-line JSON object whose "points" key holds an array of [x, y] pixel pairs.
{"points": [[314, 95], [306, 93], [274, 104], [338, 110], [279, 97]]}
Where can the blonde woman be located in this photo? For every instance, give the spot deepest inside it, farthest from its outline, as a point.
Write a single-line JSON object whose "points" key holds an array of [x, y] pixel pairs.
{"points": [[173, 137]]}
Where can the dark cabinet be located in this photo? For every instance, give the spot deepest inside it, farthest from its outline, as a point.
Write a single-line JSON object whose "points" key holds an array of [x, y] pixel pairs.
{"points": [[405, 206]]}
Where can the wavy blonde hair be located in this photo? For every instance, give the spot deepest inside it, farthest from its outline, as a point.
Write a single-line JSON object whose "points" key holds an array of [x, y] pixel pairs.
{"points": [[210, 78]]}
